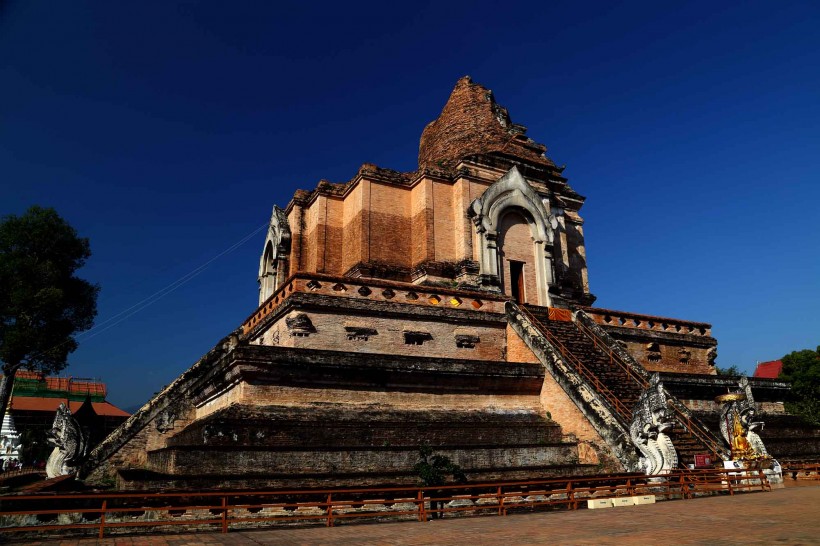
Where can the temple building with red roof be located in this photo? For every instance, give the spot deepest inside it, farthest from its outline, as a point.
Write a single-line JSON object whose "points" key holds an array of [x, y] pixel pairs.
{"points": [[35, 399], [769, 370]]}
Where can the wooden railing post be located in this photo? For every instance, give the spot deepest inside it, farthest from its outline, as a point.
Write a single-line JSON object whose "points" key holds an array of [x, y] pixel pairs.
{"points": [[224, 514], [571, 496], [764, 481], [329, 510], [102, 518], [422, 510], [500, 498]]}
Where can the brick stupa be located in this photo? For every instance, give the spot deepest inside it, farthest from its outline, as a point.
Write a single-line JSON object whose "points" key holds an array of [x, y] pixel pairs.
{"points": [[448, 306]]}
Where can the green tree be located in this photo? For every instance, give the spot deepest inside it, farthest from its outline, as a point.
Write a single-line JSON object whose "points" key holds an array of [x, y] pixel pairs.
{"points": [[42, 303], [802, 370], [433, 470], [731, 371]]}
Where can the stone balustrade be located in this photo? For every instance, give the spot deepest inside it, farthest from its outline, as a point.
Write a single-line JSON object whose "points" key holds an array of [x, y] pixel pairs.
{"points": [[375, 290], [608, 317]]}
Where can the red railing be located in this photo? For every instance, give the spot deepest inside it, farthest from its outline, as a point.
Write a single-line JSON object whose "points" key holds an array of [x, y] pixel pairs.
{"points": [[810, 469], [120, 512], [20, 471]]}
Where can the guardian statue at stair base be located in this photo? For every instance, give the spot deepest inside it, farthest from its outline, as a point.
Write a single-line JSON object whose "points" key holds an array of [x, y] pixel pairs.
{"points": [[649, 428], [69, 444]]}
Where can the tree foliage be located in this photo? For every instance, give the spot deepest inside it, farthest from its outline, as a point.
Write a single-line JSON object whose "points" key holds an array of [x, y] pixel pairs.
{"points": [[433, 470], [802, 370], [731, 371], [42, 303]]}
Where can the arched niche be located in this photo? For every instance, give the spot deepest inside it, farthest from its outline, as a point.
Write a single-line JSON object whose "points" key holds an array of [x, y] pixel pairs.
{"points": [[273, 265], [509, 198]]}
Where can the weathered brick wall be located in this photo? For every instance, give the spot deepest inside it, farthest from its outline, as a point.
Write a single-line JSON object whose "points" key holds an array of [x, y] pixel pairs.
{"points": [[323, 425], [353, 467], [661, 344], [577, 275], [517, 350], [360, 399], [657, 355], [334, 237], [331, 333], [314, 234], [421, 222], [561, 409], [462, 227], [390, 234], [444, 222], [353, 228]]}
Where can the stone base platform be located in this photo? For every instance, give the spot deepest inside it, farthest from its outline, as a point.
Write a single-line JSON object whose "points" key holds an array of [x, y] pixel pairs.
{"points": [[332, 444]]}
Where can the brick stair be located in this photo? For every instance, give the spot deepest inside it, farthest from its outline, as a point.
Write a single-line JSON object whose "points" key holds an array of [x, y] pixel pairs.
{"points": [[595, 360], [614, 377]]}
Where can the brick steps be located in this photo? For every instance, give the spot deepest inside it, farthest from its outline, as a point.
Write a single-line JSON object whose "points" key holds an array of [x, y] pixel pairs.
{"points": [[598, 363], [619, 383]]}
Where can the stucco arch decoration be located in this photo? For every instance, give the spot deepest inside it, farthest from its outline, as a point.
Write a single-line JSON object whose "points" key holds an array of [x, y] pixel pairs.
{"points": [[511, 192], [273, 263]]}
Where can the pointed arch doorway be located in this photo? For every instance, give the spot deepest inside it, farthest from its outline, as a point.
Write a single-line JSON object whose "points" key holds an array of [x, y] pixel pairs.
{"points": [[516, 252]]}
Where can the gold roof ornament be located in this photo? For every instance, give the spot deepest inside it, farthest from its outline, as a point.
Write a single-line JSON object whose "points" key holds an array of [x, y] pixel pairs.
{"points": [[730, 397]]}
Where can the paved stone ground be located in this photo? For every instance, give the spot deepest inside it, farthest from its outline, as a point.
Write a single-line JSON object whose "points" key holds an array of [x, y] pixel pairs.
{"points": [[783, 516]]}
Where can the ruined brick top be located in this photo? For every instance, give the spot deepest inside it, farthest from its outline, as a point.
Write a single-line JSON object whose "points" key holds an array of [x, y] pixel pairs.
{"points": [[473, 123]]}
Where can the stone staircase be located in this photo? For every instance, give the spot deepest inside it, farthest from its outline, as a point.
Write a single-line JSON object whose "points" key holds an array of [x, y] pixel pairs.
{"points": [[619, 382], [613, 376]]}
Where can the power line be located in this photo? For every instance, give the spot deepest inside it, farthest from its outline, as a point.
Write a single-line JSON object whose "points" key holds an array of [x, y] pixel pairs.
{"points": [[159, 294], [98, 329]]}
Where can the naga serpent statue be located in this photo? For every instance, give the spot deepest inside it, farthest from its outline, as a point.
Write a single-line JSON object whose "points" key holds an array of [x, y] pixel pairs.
{"points": [[738, 425], [69, 444], [648, 430]]}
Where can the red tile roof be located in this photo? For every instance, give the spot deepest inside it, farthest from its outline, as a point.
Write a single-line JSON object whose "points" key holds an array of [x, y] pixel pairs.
{"points": [[36, 403], [769, 370]]}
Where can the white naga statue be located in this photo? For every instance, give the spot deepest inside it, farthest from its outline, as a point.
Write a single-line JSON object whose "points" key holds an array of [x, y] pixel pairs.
{"points": [[69, 444], [649, 428]]}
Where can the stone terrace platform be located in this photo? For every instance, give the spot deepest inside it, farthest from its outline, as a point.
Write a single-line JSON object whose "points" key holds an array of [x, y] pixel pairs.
{"points": [[783, 516]]}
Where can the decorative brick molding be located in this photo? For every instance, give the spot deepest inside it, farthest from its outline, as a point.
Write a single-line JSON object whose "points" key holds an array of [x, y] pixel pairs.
{"points": [[373, 290], [623, 319]]}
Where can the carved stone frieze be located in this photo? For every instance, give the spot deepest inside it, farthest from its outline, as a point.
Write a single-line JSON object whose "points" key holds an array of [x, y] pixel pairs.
{"points": [[360, 333], [466, 341], [300, 325], [165, 420], [219, 433]]}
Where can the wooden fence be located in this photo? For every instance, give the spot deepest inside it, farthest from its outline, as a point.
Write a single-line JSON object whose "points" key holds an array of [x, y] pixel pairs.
{"points": [[124, 512]]}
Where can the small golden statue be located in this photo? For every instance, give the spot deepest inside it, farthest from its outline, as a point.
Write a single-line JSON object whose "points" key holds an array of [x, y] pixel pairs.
{"points": [[738, 424], [741, 448]]}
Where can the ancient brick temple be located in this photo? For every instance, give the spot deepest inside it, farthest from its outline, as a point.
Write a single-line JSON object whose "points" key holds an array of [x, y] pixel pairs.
{"points": [[447, 306]]}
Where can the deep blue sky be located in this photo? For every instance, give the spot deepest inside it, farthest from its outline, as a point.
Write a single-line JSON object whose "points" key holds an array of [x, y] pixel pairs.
{"points": [[165, 131]]}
